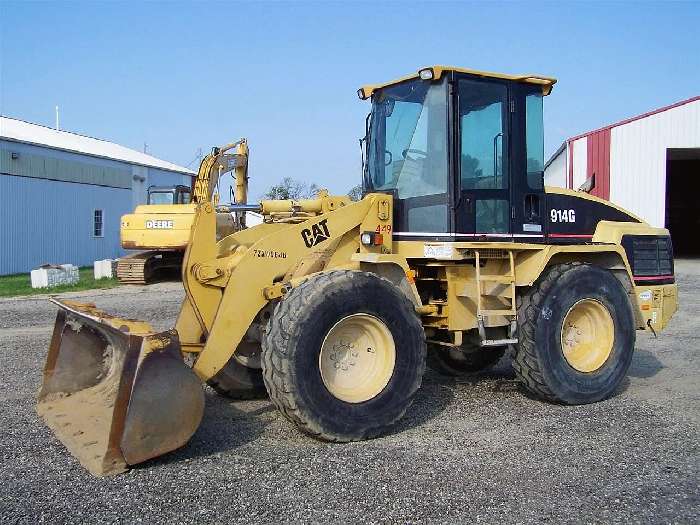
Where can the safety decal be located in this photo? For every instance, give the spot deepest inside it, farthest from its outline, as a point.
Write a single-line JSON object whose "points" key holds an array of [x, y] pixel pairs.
{"points": [[438, 250]]}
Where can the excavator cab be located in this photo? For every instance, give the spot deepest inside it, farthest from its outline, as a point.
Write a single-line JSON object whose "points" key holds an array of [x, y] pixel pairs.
{"points": [[462, 154], [179, 194]]}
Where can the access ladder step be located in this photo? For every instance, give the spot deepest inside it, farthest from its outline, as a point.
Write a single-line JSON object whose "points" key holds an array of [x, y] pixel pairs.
{"points": [[505, 279], [499, 342], [487, 313]]}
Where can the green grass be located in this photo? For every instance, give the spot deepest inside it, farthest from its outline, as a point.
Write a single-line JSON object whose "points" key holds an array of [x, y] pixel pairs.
{"points": [[20, 284]]}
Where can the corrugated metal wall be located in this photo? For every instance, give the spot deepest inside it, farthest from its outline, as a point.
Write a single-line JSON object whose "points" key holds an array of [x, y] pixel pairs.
{"points": [[579, 165], [46, 215], [629, 158], [44, 221], [556, 174], [638, 158], [598, 162], [45, 163]]}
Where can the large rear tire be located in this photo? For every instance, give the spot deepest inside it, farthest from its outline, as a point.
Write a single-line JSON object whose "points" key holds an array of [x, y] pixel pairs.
{"points": [[343, 355], [576, 334]]}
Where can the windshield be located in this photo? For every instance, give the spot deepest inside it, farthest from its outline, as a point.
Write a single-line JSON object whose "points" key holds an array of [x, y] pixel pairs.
{"points": [[407, 142], [160, 197]]}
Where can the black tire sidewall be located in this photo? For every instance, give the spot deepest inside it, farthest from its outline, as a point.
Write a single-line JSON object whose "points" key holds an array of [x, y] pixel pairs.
{"points": [[568, 384], [363, 293]]}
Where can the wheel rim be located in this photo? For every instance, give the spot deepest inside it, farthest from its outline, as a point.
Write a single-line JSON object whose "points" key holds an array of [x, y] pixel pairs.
{"points": [[587, 335], [357, 358]]}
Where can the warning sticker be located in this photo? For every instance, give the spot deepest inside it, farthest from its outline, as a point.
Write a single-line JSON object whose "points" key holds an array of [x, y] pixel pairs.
{"points": [[438, 250]]}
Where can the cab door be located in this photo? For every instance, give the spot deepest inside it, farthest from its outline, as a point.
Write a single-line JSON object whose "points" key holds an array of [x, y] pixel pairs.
{"points": [[482, 159], [527, 164]]}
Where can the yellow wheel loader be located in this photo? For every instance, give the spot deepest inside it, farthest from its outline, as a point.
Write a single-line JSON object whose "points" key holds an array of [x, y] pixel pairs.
{"points": [[456, 252], [162, 226]]}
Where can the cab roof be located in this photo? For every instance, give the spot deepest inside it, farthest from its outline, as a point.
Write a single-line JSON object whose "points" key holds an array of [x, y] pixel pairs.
{"points": [[435, 72]]}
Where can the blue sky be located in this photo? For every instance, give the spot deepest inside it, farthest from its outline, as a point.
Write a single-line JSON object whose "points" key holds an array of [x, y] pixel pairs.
{"points": [[182, 76]]}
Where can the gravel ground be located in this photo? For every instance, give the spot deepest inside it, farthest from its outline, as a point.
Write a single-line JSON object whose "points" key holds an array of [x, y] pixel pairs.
{"points": [[472, 450]]}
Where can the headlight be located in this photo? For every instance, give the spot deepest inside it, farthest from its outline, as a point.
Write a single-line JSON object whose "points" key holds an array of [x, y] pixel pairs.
{"points": [[371, 238], [426, 74]]}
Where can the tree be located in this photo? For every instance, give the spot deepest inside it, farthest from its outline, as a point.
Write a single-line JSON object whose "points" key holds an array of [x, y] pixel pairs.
{"points": [[355, 193], [289, 188]]}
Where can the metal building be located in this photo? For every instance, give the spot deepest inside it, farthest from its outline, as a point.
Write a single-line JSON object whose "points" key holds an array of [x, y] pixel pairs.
{"points": [[62, 194], [648, 164]]}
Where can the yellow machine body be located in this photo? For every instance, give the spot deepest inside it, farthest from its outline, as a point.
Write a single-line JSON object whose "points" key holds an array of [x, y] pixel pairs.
{"points": [[157, 226], [243, 272]]}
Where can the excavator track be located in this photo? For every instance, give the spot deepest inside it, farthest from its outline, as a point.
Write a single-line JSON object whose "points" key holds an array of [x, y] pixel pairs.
{"points": [[146, 267]]}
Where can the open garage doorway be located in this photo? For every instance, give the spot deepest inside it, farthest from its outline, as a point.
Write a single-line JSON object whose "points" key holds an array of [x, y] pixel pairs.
{"points": [[683, 200]]}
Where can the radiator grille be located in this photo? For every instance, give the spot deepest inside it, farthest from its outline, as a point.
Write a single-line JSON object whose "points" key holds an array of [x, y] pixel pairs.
{"points": [[649, 255]]}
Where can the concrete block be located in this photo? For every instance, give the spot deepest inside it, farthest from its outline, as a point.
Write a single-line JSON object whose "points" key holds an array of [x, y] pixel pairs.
{"points": [[48, 275], [104, 269]]}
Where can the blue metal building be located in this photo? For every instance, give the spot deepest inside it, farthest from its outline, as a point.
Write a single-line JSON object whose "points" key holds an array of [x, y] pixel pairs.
{"points": [[62, 195]]}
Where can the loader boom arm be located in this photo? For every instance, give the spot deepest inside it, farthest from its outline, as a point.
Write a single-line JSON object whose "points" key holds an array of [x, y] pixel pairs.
{"points": [[226, 292]]}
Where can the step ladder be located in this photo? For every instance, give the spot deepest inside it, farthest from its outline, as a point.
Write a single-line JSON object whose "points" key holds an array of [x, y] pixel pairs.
{"points": [[482, 313]]}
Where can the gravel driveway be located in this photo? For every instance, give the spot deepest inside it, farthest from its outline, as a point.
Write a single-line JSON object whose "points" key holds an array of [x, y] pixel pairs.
{"points": [[472, 450]]}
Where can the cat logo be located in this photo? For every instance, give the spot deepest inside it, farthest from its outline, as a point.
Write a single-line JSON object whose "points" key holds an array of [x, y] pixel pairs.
{"points": [[316, 234]]}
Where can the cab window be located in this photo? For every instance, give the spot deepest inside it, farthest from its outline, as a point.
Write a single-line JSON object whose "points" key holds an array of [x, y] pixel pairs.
{"points": [[160, 197], [481, 115], [534, 141]]}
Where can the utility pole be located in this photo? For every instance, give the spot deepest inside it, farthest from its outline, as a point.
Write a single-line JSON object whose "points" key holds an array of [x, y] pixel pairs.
{"points": [[58, 127]]}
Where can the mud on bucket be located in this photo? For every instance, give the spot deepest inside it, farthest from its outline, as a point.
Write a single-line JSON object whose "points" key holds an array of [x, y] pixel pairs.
{"points": [[114, 392]]}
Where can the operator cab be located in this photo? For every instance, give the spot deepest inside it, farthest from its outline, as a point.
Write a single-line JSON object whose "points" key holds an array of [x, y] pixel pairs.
{"points": [[461, 151], [169, 194]]}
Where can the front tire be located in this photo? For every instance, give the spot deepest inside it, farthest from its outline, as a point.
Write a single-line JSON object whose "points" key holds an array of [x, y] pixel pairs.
{"points": [[344, 355], [576, 334]]}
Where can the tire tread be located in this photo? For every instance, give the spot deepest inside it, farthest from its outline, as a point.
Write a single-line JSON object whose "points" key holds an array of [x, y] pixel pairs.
{"points": [[526, 362], [276, 372]]}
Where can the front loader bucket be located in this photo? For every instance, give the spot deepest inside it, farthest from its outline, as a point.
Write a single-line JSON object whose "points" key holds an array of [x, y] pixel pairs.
{"points": [[114, 392]]}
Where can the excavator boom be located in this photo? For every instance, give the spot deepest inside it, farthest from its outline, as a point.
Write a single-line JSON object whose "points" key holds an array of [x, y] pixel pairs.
{"points": [[164, 229]]}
